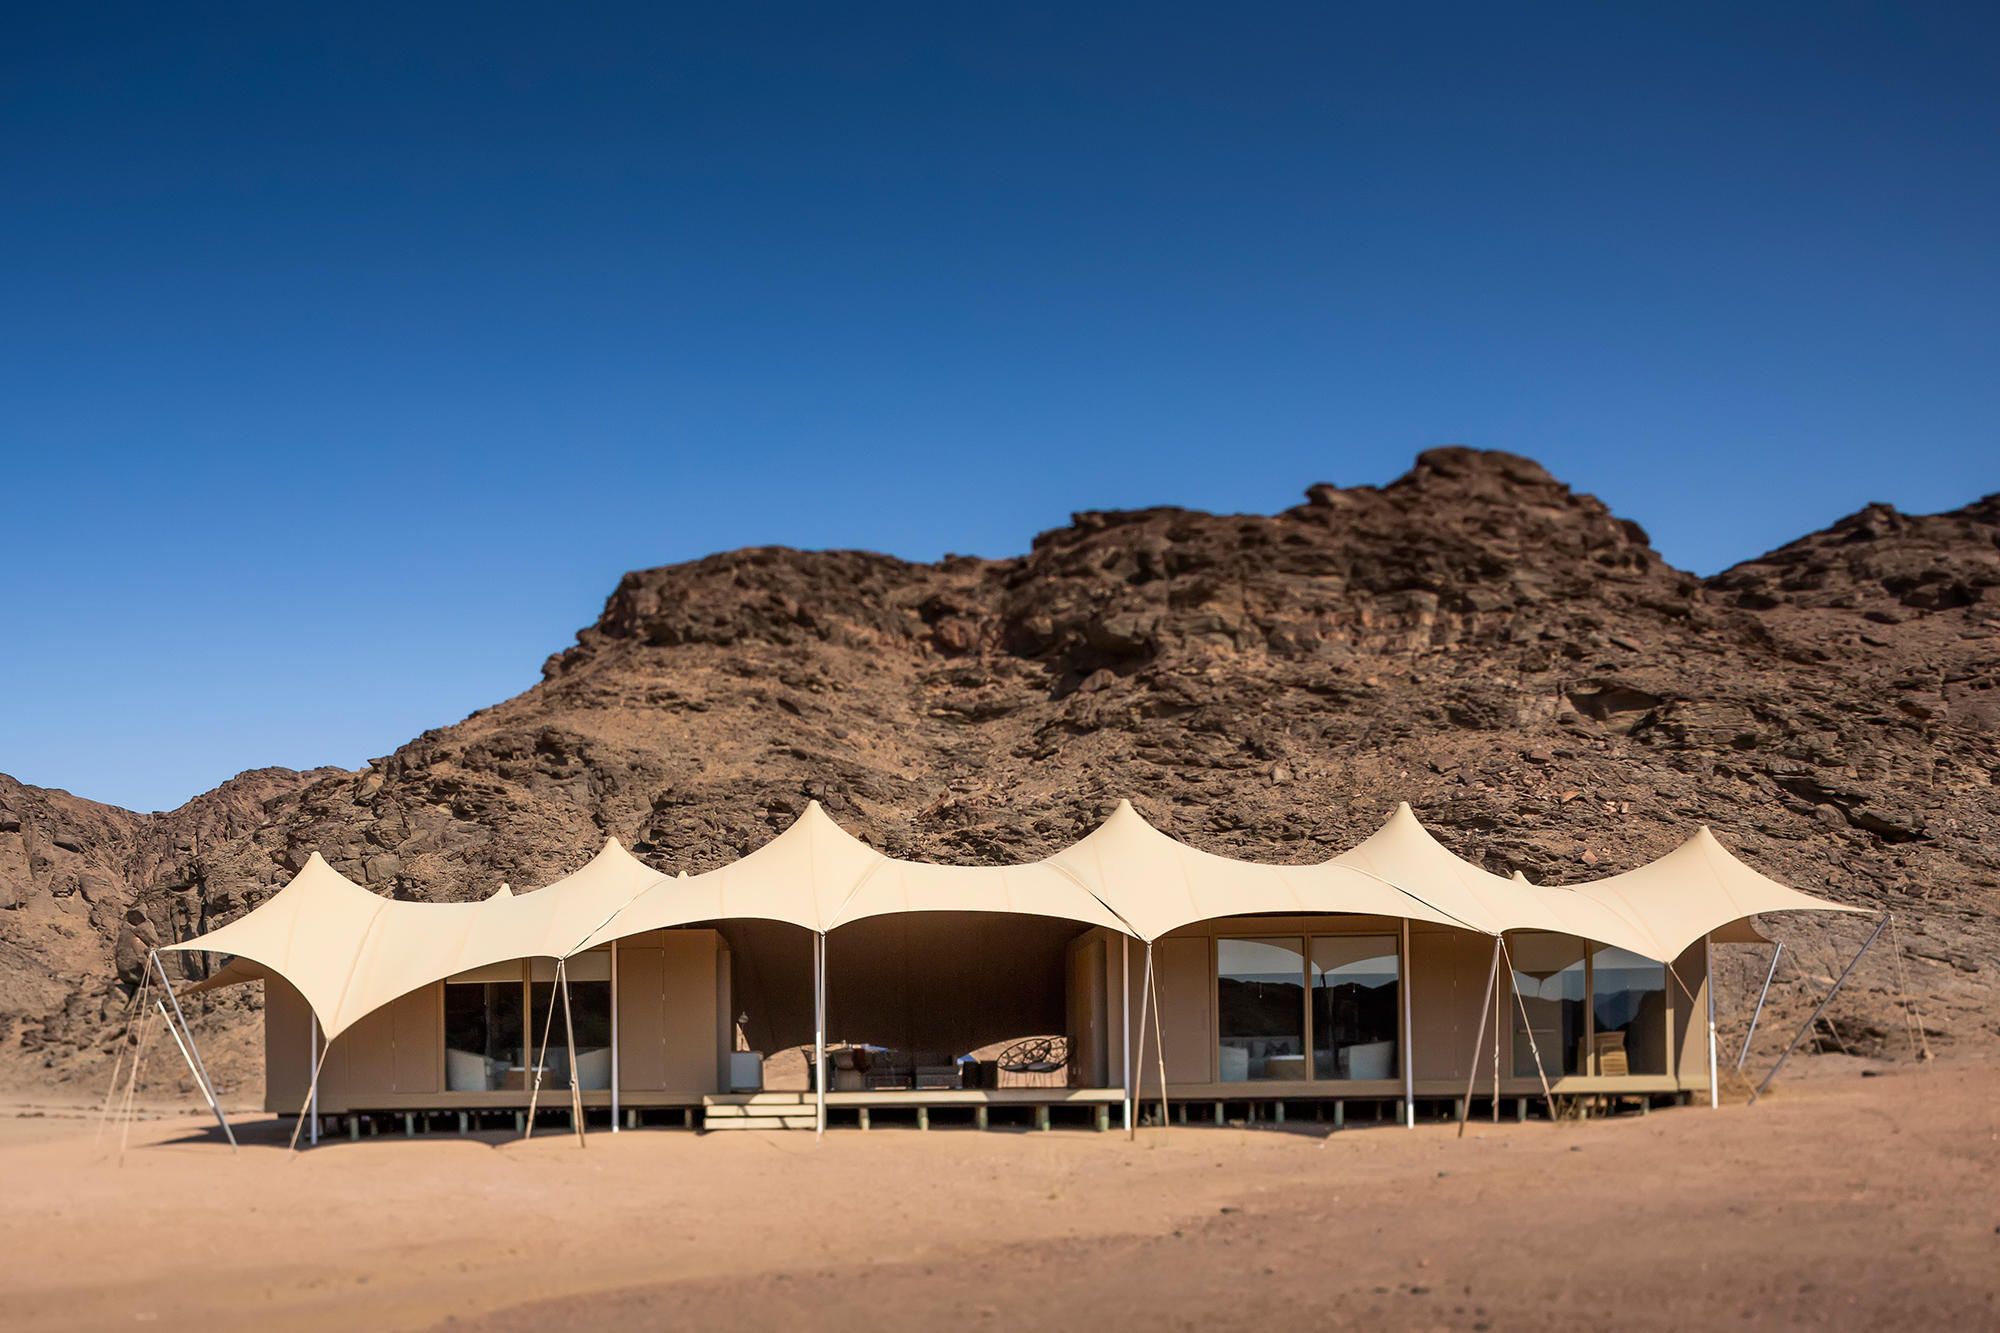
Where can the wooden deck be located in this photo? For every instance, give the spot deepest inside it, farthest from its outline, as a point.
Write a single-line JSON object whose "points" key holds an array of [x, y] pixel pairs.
{"points": [[984, 1108]]}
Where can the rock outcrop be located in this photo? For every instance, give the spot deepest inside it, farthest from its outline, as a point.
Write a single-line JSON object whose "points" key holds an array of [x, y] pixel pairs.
{"points": [[1506, 654]]}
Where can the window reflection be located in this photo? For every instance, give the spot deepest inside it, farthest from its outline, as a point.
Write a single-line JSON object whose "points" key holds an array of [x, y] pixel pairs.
{"points": [[590, 1012], [1628, 1002], [482, 1030], [1355, 1006], [1549, 978], [1260, 992]]}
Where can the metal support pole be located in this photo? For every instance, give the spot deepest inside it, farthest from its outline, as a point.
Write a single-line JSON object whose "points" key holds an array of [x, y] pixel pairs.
{"points": [[541, 1062], [1708, 989], [1159, 1033], [1479, 1040], [188, 1060], [1801, 1036], [1777, 952], [191, 1052], [313, 1063], [569, 1039], [1125, 1017], [614, 1036], [1534, 1049], [1498, 1004], [1145, 1000], [819, 1033], [1408, 1055]]}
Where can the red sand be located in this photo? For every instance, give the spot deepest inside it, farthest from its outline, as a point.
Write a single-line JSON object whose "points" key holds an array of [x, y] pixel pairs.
{"points": [[1859, 1202]]}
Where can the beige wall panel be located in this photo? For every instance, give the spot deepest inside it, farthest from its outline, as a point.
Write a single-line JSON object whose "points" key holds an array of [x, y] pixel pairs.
{"points": [[1087, 1008], [1691, 1016], [1447, 974], [1117, 962], [419, 1025], [688, 1017], [363, 1058], [642, 1035], [394, 1049], [725, 1014], [1187, 992], [287, 1030]]}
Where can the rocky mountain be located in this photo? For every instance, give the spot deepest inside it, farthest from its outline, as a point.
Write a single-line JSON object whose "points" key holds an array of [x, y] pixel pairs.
{"points": [[1507, 655]]}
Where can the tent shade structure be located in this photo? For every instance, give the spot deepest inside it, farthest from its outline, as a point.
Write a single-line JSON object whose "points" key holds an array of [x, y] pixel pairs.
{"points": [[1403, 852], [1354, 979], [349, 952], [1694, 890], [1158, 884]]}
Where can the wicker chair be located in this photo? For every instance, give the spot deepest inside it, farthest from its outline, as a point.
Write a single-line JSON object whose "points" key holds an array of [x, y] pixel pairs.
{"points": [[1037, 1062]]}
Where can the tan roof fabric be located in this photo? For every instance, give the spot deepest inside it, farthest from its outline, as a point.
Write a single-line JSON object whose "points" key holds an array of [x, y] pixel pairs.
{"points": [[349, 951], [235, 972], [1739, 932], [1695, 889], [313, 932], [1036, 889], [802, 876], [817, 875], [1159, 884], [1403, 852]]}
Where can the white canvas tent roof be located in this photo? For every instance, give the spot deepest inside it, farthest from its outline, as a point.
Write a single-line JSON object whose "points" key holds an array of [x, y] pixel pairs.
{"points": [[349, 951], [818, 876], [1695, 890], [1159, 884], [1404, 853]]}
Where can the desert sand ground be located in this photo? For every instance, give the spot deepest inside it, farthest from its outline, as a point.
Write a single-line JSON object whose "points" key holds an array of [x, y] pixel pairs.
{"points": [[1842, 1200]]}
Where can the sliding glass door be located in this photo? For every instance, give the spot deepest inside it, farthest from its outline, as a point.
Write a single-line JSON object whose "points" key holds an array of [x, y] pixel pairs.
{"points": [[1280, 998]]}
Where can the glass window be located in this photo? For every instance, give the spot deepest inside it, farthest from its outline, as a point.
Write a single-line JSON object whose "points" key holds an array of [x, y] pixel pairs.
{"points": [[1355, 1006], [1261, 1007], [1628, 1005], [482, 1033], [590, 1013], [1549, 978]]}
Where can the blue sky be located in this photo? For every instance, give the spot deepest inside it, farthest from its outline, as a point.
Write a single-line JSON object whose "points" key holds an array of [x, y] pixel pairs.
{"points": [[347, 358]]}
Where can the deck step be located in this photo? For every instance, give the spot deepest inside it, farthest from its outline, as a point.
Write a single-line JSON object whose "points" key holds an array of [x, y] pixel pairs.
{"points": [[756, 1108], [716, 1124]]}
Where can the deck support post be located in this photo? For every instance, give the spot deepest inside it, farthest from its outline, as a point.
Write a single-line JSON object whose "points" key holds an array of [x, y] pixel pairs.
{"points": [[980, 1118], [923, 1117], [1777, 951], [1708, 989], [1041, 1117], [819, 1034], [569, 1039], [1493, 994], [312, 1063], [1339, 1114], [614, 1037], [1408, 1056], [1125, 1017]]}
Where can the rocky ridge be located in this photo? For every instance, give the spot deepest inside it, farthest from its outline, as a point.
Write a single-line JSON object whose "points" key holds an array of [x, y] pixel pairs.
{"points": [[1506, 654]]}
